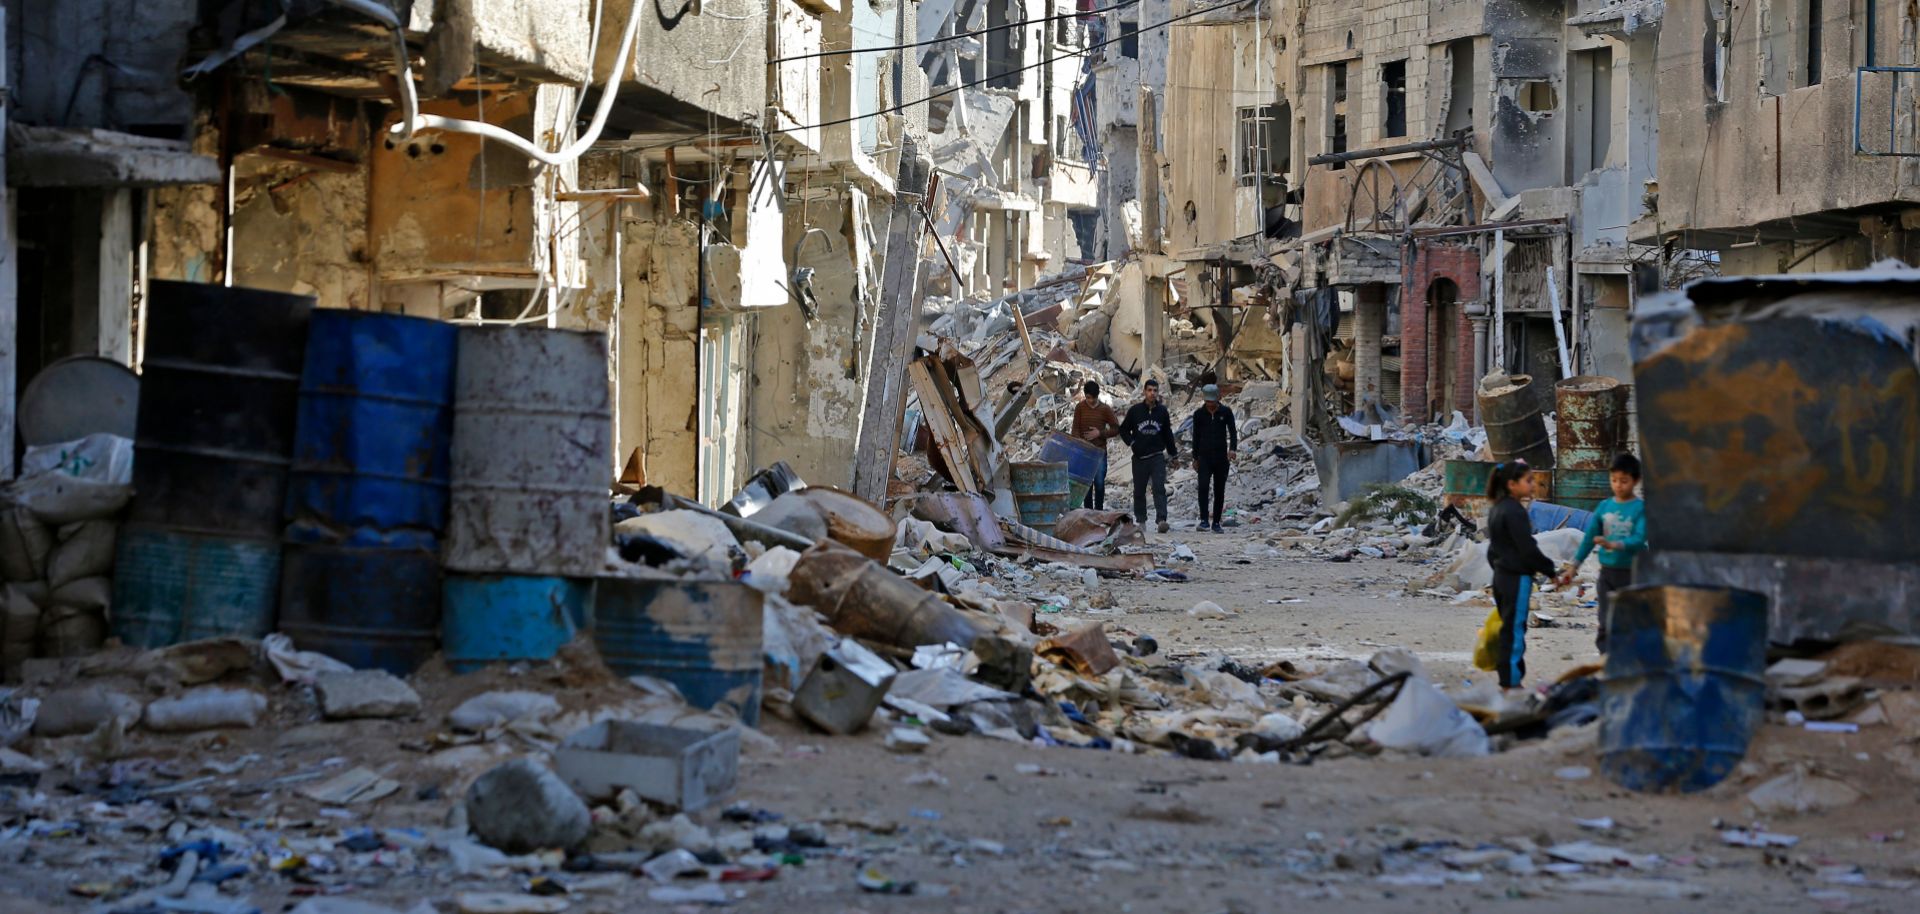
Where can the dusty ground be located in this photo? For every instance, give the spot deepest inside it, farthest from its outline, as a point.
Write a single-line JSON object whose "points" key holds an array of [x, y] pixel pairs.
{"points": [[1093, 831]]}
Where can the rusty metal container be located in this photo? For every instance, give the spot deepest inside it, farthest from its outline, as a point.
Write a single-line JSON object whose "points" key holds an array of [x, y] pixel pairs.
{"points": [[853, 520], [1515, 428], [1793, 436], [1042, 491], [863, 599], [1582, 489], [1590, 417], [532, 453]]}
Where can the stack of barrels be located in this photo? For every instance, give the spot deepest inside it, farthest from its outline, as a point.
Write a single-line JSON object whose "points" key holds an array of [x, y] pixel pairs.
{"points": [[529, 524], [367, 502], [377, 486], [200, 554]]}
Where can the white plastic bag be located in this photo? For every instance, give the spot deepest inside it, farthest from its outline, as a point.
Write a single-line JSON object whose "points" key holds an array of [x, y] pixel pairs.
{"points": [[298, 666], [771, 572], [99, 458], [1423, 720], [493, 709]]}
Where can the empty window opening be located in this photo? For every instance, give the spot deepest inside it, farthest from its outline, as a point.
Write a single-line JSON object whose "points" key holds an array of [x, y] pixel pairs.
{"points": [[1810, 71], [1393, 79], [1130, 40], [1264, 142], [1460, 87], [1592, 74], [1714, 53], [1336, 123], [1537, 97]]}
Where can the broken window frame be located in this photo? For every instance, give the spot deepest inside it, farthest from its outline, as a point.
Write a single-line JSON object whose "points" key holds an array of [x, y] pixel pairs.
{"points": [[1260, 135], [1716, 48], [1814, 32], [1393, 99], [1130, 39]]}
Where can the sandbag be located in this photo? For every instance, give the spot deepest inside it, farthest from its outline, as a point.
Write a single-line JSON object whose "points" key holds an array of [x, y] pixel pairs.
{"points": [[82, 709], [72, 631], [25, 542], [19, 629], [85, 550], [59, 500], [94, 593], [206, 708]]}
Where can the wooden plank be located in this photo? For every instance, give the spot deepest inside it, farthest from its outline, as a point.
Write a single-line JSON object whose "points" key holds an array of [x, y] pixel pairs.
{"points": [[1484, 180], [948, 437], [879, 433]]}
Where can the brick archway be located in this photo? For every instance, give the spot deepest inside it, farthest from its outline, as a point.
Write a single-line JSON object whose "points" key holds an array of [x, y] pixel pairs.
{"points": [[1435, 266]]}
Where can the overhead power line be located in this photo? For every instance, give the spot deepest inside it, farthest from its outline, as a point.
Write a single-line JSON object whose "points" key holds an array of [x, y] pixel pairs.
{"points": [[993, 28], [1032, 66]]}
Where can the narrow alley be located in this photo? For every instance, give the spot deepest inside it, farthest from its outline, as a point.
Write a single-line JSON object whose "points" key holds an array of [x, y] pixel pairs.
{"points": [[1213, 456]]}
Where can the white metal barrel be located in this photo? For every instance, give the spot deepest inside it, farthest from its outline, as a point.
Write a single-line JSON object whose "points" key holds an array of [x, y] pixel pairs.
{"points": [[532, 443]]}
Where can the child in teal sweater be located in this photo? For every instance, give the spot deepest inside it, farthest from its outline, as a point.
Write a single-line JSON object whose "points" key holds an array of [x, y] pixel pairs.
{"points": [[1619, 528]]}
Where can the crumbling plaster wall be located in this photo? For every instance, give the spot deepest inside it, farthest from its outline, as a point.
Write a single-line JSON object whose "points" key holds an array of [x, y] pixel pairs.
{"points": [[806, 384], [1528, 59], [301, 230], [1724, 165], [1215, 71], [658, 349]]}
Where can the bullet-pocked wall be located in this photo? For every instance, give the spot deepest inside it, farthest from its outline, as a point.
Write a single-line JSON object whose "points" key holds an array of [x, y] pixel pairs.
{"points": [[808, 365]]}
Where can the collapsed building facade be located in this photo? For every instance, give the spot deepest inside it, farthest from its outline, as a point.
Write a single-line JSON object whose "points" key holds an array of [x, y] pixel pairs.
{"points": [[712, 201]]}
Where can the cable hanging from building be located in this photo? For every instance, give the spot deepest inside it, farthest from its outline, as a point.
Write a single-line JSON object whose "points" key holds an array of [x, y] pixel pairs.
{"points": [[992, 28]]}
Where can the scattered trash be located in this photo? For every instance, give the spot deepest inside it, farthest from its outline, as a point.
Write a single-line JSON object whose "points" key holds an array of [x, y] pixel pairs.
{"points": [[676, 767], [845, 687], [498, 709], [521, 807], [1800, 792], [1747, 838], [907, 740], [1207, 609]]}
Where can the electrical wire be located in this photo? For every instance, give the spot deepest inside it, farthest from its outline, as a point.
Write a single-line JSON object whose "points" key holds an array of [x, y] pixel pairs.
{"points": [[944, 38], [521, 144], [402, 57], [895, 109]]}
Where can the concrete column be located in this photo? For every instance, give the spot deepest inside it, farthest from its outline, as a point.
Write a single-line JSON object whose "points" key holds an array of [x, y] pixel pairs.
{"points": [[1370, 315], [1479, 366]]}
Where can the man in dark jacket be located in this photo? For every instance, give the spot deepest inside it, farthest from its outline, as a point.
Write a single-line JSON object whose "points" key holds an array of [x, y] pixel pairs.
{"points": [[1216, 443], [1148, 429]]}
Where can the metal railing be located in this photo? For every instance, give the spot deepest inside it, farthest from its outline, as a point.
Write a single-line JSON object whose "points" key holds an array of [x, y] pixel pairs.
{"points": [[1893, 112]]}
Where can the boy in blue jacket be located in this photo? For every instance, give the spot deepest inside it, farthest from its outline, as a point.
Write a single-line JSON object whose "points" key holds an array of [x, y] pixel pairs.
{"points": [[1619, 528]]}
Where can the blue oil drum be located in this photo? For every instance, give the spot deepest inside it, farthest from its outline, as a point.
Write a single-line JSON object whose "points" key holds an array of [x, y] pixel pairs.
{"points": [[1042, 492], [370, 606], [702, 636], [1684, 687], [1082, 459], [372, 447], [498, 618], [171, 586]]}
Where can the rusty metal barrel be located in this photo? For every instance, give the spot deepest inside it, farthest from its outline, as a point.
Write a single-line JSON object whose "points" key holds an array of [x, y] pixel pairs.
{"points": [[1515, 429], [1042, 492], [1590, 416], [532, 453], [864, 599]]}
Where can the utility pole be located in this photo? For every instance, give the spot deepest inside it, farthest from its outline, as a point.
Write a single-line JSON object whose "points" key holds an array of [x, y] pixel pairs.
{"points": [[1152, 337], [894, 332]]}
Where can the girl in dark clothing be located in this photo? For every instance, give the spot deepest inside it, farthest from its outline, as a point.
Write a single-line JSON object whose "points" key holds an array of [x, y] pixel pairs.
{"points": [[1515, 558]]}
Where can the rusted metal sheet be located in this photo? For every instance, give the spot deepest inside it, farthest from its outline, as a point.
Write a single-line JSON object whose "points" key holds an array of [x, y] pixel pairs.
{"points": [[1810, 599], [1590, 417], [1793, 436]]}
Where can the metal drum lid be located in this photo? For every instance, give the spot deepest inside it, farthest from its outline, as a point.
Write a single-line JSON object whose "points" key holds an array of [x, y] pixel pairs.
{"points": [[79, 396]]}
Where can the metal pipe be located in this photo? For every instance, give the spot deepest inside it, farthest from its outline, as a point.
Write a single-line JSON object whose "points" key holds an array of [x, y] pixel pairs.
{"points": [[1464, 137], [741, 527], [1499, 329]]}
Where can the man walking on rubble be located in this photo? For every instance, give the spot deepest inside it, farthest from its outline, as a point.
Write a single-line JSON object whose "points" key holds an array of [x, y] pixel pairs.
{"points": [[1216, 443], [1095, 423], [1148, 429]]}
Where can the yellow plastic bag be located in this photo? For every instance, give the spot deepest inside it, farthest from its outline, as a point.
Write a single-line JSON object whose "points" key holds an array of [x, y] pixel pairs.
{"points": [[1486, 647]]}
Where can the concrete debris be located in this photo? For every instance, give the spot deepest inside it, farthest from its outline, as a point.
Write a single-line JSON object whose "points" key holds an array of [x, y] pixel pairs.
{"points": [[498, 709], [1801, 792], [364, 693], [522, 806]]}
